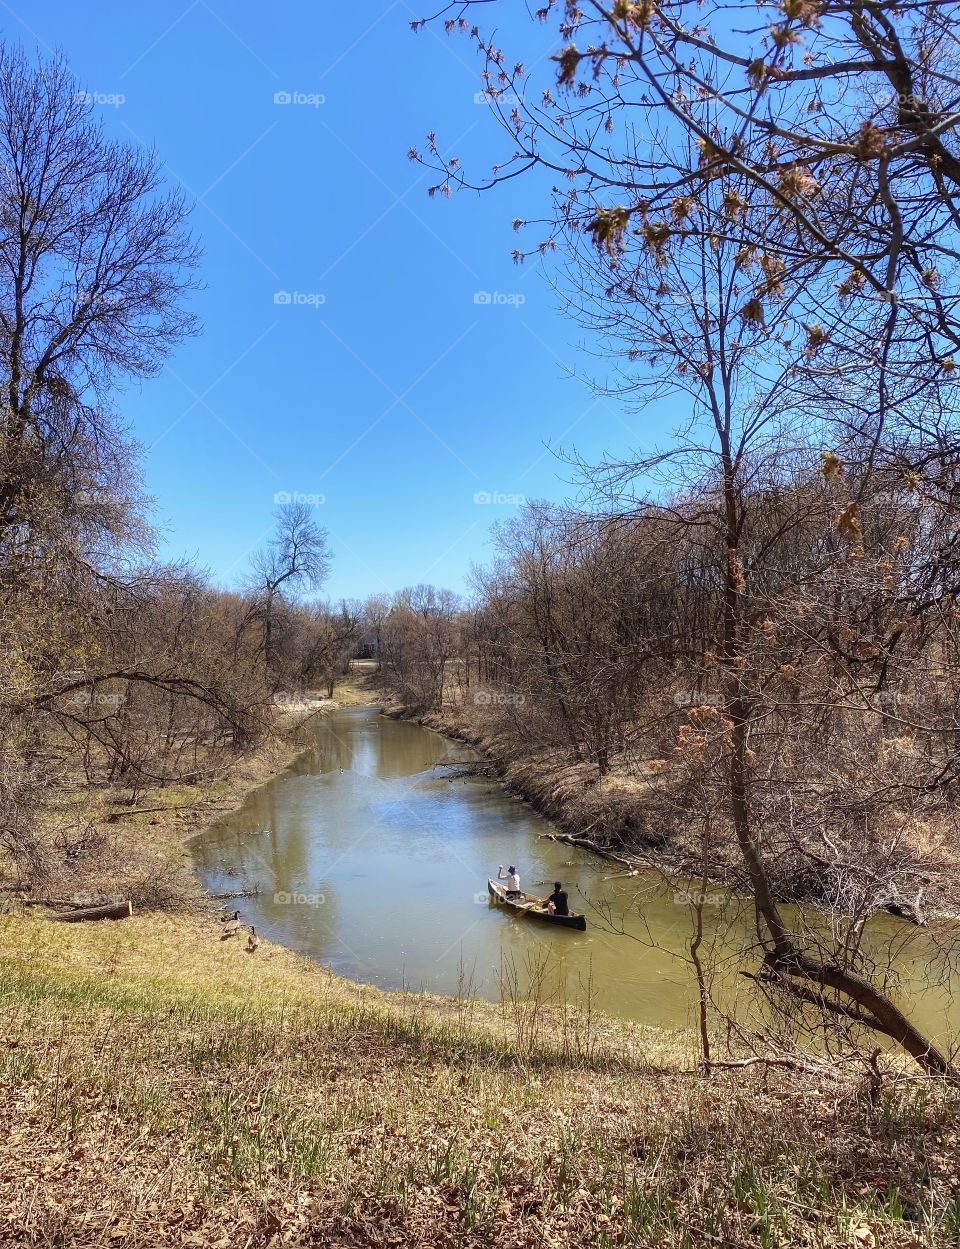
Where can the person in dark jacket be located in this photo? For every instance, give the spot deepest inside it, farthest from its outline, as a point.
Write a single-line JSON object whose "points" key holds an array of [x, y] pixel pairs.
{"points": [[557, 903]]}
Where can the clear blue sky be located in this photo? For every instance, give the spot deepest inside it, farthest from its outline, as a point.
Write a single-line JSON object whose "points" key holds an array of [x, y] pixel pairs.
{"points": [[397, 398]]}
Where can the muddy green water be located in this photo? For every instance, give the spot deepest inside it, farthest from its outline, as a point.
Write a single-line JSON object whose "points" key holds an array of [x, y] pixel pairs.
{"points": [[374, 863]]}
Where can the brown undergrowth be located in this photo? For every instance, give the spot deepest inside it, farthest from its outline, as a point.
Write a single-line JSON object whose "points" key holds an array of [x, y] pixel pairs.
{"points": [[102, 844]]}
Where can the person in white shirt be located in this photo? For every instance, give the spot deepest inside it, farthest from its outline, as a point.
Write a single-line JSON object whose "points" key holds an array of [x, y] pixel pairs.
{"points": [[511, 880]]}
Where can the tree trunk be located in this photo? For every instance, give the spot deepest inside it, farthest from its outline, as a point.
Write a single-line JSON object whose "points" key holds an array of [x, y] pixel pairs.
{"points": [[782, 954], [884, 1016]]}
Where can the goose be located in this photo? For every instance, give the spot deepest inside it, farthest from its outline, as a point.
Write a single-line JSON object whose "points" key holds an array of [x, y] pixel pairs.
{"points": [[231, 927], [253, 940]]}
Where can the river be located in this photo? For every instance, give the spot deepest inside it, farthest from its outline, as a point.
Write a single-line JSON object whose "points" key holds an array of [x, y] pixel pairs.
{"points": [[371, 860]]}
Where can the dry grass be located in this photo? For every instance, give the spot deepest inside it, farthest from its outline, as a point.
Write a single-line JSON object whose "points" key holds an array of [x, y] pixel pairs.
{"points": [[161, 1087], [360, 687]]}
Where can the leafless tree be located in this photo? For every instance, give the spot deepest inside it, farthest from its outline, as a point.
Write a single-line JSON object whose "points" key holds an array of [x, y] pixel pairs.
{"points": [[420, 638], [335, 634], [296, 559], [776, 241], [376, 608], [94, 263], [842, 120]]}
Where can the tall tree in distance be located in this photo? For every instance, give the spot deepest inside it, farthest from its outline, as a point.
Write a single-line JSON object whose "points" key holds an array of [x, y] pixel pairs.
{"points": [[297, 558]]}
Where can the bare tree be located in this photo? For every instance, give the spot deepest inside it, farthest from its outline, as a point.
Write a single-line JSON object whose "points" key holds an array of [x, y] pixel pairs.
{"points": [[843, 120], [376, 608], [420, 638], [94, 263], [336, 632], [776, 240], [296, 559]]}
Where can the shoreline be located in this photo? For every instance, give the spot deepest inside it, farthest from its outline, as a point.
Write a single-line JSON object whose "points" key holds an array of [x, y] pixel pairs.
{"points": [[527, 783], [163, 1086], [142, 853], [546, 787], [263, 768]]}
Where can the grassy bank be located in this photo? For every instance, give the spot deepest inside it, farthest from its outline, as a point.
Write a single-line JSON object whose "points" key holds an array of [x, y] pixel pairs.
{"points": [[163, 1087]]}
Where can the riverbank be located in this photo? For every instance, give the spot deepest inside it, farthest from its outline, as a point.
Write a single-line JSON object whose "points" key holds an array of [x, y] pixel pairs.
{"points": [[163, 1086], [618, 820], [108, 848], [138, 851], [159, 1086], [632, 822]]}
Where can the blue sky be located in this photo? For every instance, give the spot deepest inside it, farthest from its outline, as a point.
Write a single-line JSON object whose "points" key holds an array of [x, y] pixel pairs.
{"points": [[380, 385]]}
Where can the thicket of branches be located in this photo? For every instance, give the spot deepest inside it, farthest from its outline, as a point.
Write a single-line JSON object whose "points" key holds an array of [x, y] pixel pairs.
{"points": [[756, 211], [115, 670]]}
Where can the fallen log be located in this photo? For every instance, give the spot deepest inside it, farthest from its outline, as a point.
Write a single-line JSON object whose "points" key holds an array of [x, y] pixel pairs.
{"points": [[114, 816], [585, 843], [791, 1064], [113, 910], [903, 908], [467, 768]]}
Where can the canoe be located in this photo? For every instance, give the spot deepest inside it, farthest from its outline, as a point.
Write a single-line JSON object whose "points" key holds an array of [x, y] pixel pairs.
{"points": [[533, 906]]}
